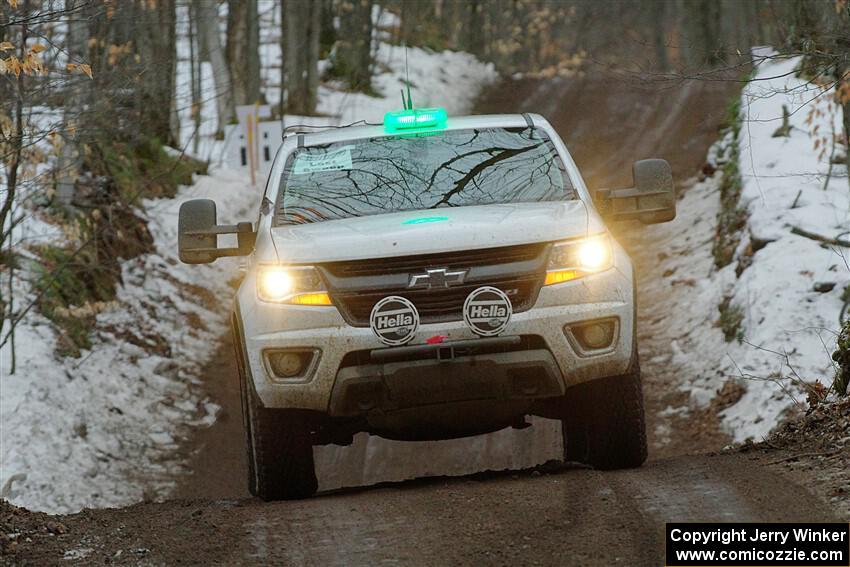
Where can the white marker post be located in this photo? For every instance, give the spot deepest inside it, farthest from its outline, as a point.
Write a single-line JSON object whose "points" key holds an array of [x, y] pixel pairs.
{"points": [[249, 116]]}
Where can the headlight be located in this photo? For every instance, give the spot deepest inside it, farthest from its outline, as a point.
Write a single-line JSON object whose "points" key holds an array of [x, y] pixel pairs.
{"points": [[576, 258], [296, 285]]}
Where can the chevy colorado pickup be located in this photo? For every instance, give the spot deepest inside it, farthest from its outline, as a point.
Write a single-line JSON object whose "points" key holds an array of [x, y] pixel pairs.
{"points": [[432, 278]]}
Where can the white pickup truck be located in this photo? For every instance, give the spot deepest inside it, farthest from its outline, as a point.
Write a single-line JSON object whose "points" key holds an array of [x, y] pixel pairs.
{"points": [[430, 278]]}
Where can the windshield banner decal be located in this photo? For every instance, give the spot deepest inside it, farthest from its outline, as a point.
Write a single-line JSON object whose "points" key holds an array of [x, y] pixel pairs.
{"points": [[334, 160]]}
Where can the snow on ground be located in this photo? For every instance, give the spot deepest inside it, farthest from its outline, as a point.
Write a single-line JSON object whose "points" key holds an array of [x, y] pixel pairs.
{"points": [[102, 429], [449, 79], [75, 429], [784, 187], [789, 329]]}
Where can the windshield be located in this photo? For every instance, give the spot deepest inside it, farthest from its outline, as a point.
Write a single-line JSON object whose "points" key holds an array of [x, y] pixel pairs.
{"points": [[390, 174]]}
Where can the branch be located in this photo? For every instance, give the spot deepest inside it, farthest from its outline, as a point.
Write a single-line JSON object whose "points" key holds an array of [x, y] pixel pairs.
{"points": [[825, 239]]}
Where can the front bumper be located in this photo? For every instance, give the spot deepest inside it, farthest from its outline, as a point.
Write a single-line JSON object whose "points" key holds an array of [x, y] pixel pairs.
{"points": [[269, 326], [394, 386]]}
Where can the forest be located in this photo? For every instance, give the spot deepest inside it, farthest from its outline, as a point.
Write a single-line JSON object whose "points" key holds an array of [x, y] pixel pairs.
{"points": [[118, 380]]}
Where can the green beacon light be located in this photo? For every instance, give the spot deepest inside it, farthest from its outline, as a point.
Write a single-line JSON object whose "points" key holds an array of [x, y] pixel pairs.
{"points": [[419, 118]]}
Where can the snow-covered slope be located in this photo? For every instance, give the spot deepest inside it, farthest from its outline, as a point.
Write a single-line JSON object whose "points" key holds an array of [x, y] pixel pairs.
{"points": [[74, 430], [785, 186], [778, 282]]}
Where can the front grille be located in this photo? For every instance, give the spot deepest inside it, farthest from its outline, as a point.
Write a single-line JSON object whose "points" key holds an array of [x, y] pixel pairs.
{"points": [[451, 260], [355, 287], [445, 304]]}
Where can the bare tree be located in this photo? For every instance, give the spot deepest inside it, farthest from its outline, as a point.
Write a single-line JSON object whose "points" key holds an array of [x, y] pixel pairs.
{"points": [[243, 50], [353, 55], [212, 51], [194, 76], [302, 27]]}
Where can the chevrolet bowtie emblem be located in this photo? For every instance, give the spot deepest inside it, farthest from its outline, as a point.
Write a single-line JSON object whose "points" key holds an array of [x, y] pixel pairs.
{"points": [[437, 278]]}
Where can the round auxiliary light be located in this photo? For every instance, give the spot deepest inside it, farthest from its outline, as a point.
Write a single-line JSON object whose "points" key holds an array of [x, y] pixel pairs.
{"points": [[487, 311], [394, 320]]}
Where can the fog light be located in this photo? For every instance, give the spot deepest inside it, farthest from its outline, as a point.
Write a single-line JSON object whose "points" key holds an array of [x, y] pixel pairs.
{"points": [[595, 335], [289, 363], [286, 364]]}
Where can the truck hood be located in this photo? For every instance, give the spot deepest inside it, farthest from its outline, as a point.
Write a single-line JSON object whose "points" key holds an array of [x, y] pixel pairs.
{"points": [[430, 231]]}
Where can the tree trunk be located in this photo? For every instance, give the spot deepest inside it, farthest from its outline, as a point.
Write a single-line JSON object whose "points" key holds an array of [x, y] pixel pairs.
{"points": [[412, 17], [474, 24], [327, 30], [78, 93], [293, 50], [302, 31], [156, 44], [13, 163], [208, 35], [5, 86], [353, 59], [312, 58], [845, 120], [195, 78], [702, 32], [243, 50], [658, 25], [284, 56]]}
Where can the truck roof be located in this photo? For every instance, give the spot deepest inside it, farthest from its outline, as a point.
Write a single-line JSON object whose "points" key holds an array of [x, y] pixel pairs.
{"points": [[333, 134]]}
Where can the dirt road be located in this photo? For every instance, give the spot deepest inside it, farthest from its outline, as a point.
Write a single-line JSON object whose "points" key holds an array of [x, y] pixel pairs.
{"points": [[561, 517], [554, 515]]}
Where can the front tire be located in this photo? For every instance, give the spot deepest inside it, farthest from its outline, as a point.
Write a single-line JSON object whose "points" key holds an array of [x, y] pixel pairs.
{"points": [[280, 452], [278, 442], [604, 424]]}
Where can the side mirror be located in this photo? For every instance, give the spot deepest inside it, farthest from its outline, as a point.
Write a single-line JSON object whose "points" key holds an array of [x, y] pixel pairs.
{"points": [[197, 234], [652, 199]]}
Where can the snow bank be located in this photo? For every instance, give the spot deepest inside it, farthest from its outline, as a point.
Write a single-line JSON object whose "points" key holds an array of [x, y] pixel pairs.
{"points": [[789, 328], [785, 186], [75, 430]]}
